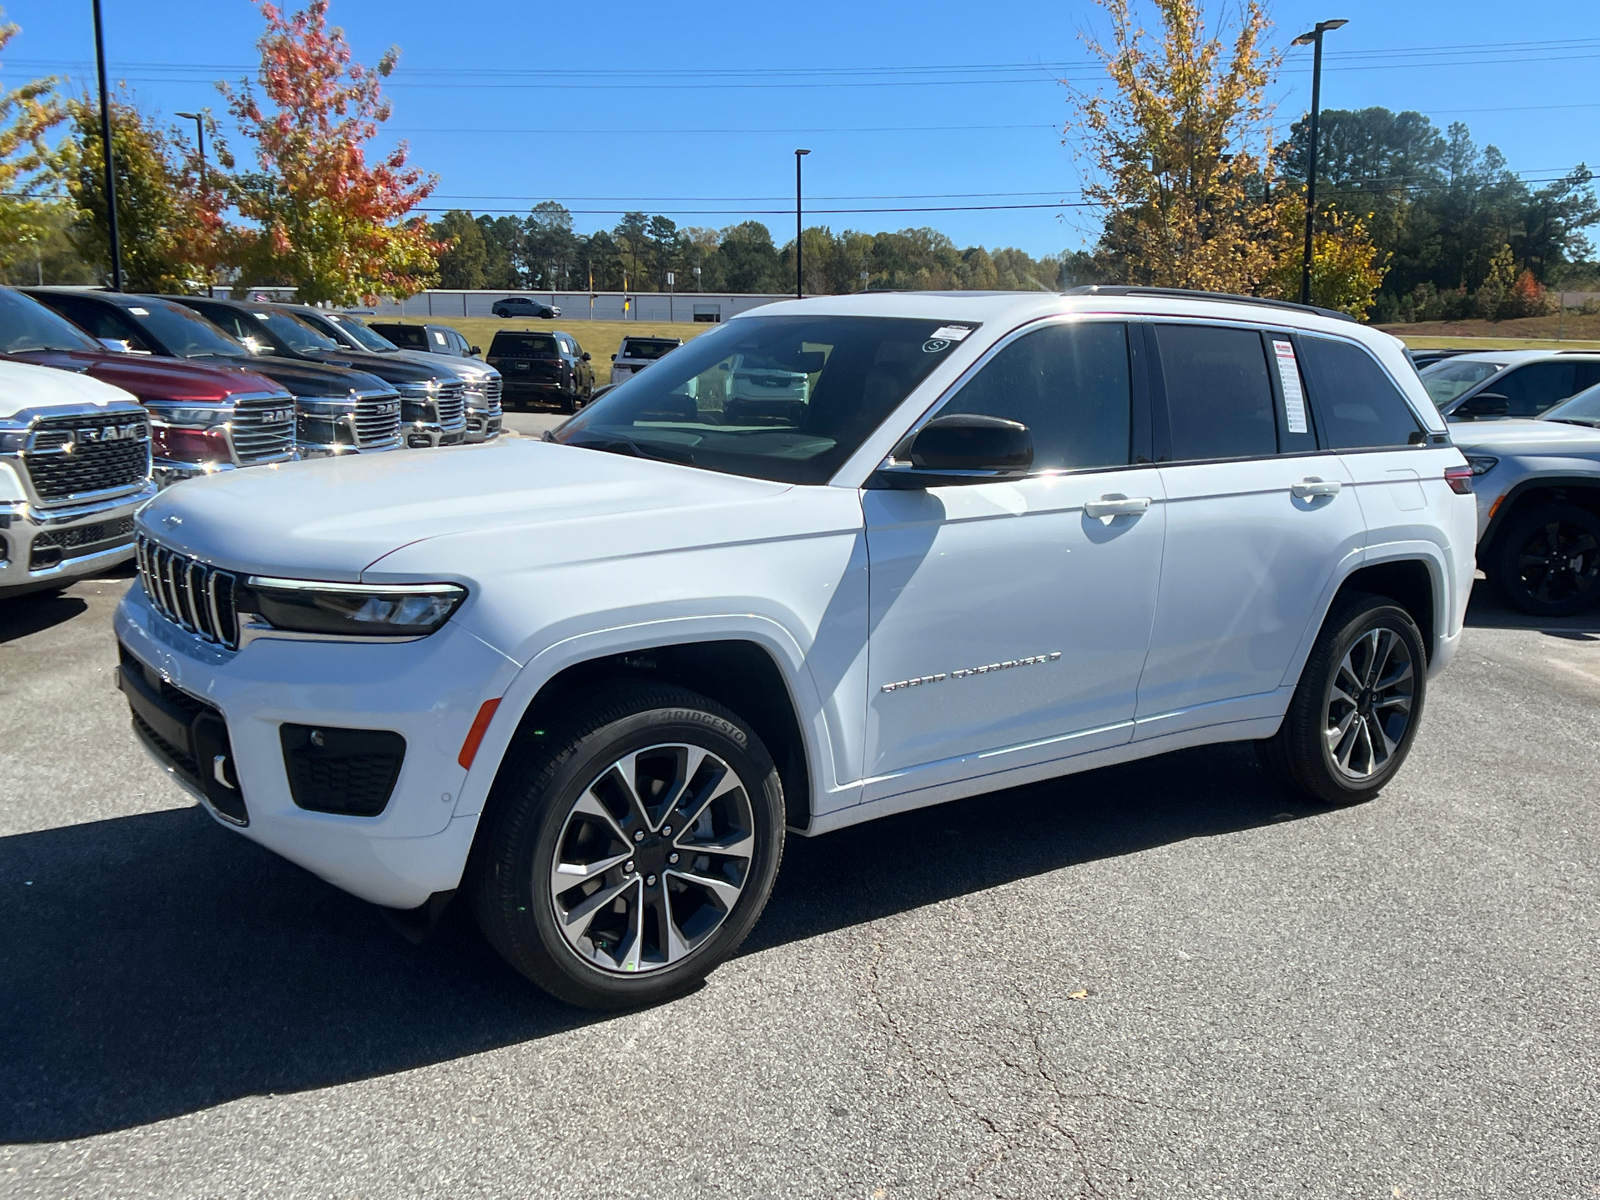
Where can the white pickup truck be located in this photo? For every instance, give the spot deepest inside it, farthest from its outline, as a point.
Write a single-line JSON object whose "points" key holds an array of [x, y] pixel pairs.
{"points": [[74, 468], [984, 540]]}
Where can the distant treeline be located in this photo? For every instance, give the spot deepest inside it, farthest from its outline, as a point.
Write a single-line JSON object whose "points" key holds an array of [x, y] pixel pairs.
{"points": [[541, 251]]}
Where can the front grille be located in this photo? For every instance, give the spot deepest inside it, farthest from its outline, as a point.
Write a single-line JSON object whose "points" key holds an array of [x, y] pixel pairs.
{"points": [[378, 420], [452, 406], [491, 392], [71, 457], [54, 545], [189, 593], [263, 428]]}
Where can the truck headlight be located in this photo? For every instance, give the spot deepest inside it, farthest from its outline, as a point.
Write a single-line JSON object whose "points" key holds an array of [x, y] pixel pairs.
{"points": [[350, 609], [1482, 464]]}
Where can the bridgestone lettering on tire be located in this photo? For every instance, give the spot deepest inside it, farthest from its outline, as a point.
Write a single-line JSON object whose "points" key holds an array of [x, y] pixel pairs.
{"points": [[623, 861], [1356, 708]]}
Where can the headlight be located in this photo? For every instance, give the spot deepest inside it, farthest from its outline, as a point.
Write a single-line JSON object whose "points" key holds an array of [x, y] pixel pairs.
{"points": [[418, 391], [325, 406], [1482, 464], [192, 416], [350, 609]]}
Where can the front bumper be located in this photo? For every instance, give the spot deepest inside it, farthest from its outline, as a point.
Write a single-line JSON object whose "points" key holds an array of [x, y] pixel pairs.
{"points": [[421, 434], [41, 549], [428, 691]]}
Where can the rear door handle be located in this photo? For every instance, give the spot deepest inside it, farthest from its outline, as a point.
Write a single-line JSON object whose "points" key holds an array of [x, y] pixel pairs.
{"points": [[1313, 486], [1116, 505]]}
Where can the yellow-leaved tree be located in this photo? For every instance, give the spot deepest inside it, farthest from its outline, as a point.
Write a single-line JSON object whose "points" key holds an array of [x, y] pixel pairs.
{"points": [[1345, 268], [1179, 152]]}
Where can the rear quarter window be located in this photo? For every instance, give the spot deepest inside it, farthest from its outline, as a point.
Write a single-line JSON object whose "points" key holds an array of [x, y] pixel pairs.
{"points": [[1358, 406]]}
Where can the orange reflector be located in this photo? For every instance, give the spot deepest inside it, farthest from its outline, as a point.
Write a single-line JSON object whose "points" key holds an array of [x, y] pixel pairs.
{"points": [[1493, 508], [480, 726]]}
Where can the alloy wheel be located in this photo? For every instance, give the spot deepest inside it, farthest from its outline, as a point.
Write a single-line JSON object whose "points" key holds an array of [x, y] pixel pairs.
{"points": [[1369, 703], [1559, 563], [652, 857]]}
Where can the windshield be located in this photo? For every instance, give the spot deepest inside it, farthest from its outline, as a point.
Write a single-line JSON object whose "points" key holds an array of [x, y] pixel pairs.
{"points": [[780, 398], [1582, 409], [1448, 379], [525, 345], [360, 332], [28, 325], [413, 337], [649, 348], [183, 332], [300, 336]]}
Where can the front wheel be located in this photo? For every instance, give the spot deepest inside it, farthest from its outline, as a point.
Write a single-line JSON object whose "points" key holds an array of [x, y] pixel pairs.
{"points": [[1547, 563], [633, 852], [1356, 708]]}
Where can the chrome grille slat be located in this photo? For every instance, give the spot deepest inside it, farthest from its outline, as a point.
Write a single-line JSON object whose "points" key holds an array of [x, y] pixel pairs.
{"points": [[190, 593], [67, 459], [374, 429], [255, 439]]}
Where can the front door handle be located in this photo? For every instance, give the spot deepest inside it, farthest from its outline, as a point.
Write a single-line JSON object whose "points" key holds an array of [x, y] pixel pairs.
{"points": [[1116, 505], [1307, 488]]}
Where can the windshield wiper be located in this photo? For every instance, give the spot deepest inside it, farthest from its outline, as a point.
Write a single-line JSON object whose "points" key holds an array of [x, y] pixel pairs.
{"points": [[1588, 424], [633, 449]]}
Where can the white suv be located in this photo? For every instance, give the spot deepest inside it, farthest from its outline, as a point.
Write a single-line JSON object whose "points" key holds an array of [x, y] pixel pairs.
{"points": [[993, 539]]}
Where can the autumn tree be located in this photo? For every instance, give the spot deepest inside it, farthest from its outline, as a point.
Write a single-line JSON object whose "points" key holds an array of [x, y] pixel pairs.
{"points": [[1346, 270], [1180, 150], [27, 177], [333, 224], [170, 230]]}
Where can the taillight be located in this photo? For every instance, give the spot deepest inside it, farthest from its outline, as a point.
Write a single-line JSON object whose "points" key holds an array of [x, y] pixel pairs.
{"points": [[1459, 479]]}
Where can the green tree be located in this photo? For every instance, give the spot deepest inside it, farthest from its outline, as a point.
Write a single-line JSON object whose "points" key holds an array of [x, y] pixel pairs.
{"points": [[549, 248], [502, 242], [750, 262], [464, 264]]}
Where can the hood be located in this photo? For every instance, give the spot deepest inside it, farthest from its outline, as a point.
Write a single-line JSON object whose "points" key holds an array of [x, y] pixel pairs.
{"points": [[467, 368], [330, 518], [1521, 436], [26, 386], [155, 380], [316, 378], [389, 367]]}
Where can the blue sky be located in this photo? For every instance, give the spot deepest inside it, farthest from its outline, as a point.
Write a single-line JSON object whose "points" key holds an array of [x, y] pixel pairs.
{"points": [[697, 112]]}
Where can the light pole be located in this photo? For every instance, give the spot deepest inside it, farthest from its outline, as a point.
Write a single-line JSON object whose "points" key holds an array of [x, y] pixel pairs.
{"points": [[799, 277], [200, 140], [105, 153], [1314, 38]]}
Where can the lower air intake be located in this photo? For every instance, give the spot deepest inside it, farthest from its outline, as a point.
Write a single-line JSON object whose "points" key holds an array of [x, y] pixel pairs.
{"points": [[347, 771]]}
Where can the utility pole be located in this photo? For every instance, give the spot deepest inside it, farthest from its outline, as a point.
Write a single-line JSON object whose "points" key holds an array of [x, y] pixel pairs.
{"points": [[799, 275], [1306, 39], [200, 140], [105, 149]]}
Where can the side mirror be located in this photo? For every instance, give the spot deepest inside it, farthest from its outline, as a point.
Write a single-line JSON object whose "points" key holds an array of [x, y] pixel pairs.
{"points": [[613, 358], [960, 448], [472, 352], [586, 358], [120, 345], [1484, 404]]}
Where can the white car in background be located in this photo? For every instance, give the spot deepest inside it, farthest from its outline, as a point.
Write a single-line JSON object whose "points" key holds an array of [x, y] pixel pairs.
{"points": [[637, 353], [74, 468], [974, 541]]}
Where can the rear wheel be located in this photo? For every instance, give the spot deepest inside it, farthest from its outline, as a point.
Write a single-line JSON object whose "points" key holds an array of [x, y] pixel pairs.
{"points": [[1547, 562], [1355, 710], [632, 854]]}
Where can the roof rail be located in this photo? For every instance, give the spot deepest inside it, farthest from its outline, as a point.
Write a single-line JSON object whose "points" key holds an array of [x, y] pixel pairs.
{"points": [[1119, 289]]}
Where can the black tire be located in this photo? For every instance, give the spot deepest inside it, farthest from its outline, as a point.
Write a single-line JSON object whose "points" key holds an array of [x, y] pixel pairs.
{"points": [[501, 313], [531, 820], [1546, 562], [568, 402], [1299, 755]]}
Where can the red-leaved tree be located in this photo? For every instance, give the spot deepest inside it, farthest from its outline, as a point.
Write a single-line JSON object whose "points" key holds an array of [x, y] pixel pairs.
{"points": [[325, 219]]}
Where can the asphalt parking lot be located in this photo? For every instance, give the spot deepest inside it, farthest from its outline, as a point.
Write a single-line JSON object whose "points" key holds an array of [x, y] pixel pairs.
{"points": [[1166, 979]]}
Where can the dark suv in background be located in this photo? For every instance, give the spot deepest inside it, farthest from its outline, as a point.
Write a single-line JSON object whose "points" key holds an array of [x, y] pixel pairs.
{"points": [[542, 368], [430, 339], [433, 401], [523, 306]]}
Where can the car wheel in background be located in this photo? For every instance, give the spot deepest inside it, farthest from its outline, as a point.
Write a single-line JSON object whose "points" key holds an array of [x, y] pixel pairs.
{"points": [[1547, 561], [1355, 710], [633, 850]]}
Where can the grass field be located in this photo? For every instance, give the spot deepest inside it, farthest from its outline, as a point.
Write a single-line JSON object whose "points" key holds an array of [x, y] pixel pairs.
{"points": [[1579, 331], [599, 338]]}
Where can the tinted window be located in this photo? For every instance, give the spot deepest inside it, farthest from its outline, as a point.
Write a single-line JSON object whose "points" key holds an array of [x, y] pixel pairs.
{"points": [[28, 325], [650, 348], [1069, 384], [1446, 380], [1219, 395], [100, 320], [525, 345], [1358, 405], [1537, 386], [182, 333], [782, 398], [1582, 409]]}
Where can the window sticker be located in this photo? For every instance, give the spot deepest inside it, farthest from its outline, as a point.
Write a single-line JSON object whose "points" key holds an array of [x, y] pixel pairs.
{"points": [[1294, 400], [951, 333]]}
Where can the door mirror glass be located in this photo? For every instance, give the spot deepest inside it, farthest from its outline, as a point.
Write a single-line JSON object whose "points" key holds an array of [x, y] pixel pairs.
{"points": [[585, 356], [120, 345], [474, 352], [1484, 404], [972, 442]]}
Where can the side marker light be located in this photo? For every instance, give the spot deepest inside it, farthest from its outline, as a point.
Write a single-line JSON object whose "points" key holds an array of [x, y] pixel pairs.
{"points": [[480, 726]]}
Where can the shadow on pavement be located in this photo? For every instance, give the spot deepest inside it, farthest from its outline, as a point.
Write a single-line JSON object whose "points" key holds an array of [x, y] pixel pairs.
{"points": [[1485, 610], [157, 964], [35, 612]]}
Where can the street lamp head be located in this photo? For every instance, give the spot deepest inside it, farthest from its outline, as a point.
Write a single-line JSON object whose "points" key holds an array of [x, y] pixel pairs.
{"points": [[800, 152], [189, 116], [1305, 39], [1338, 24]]}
